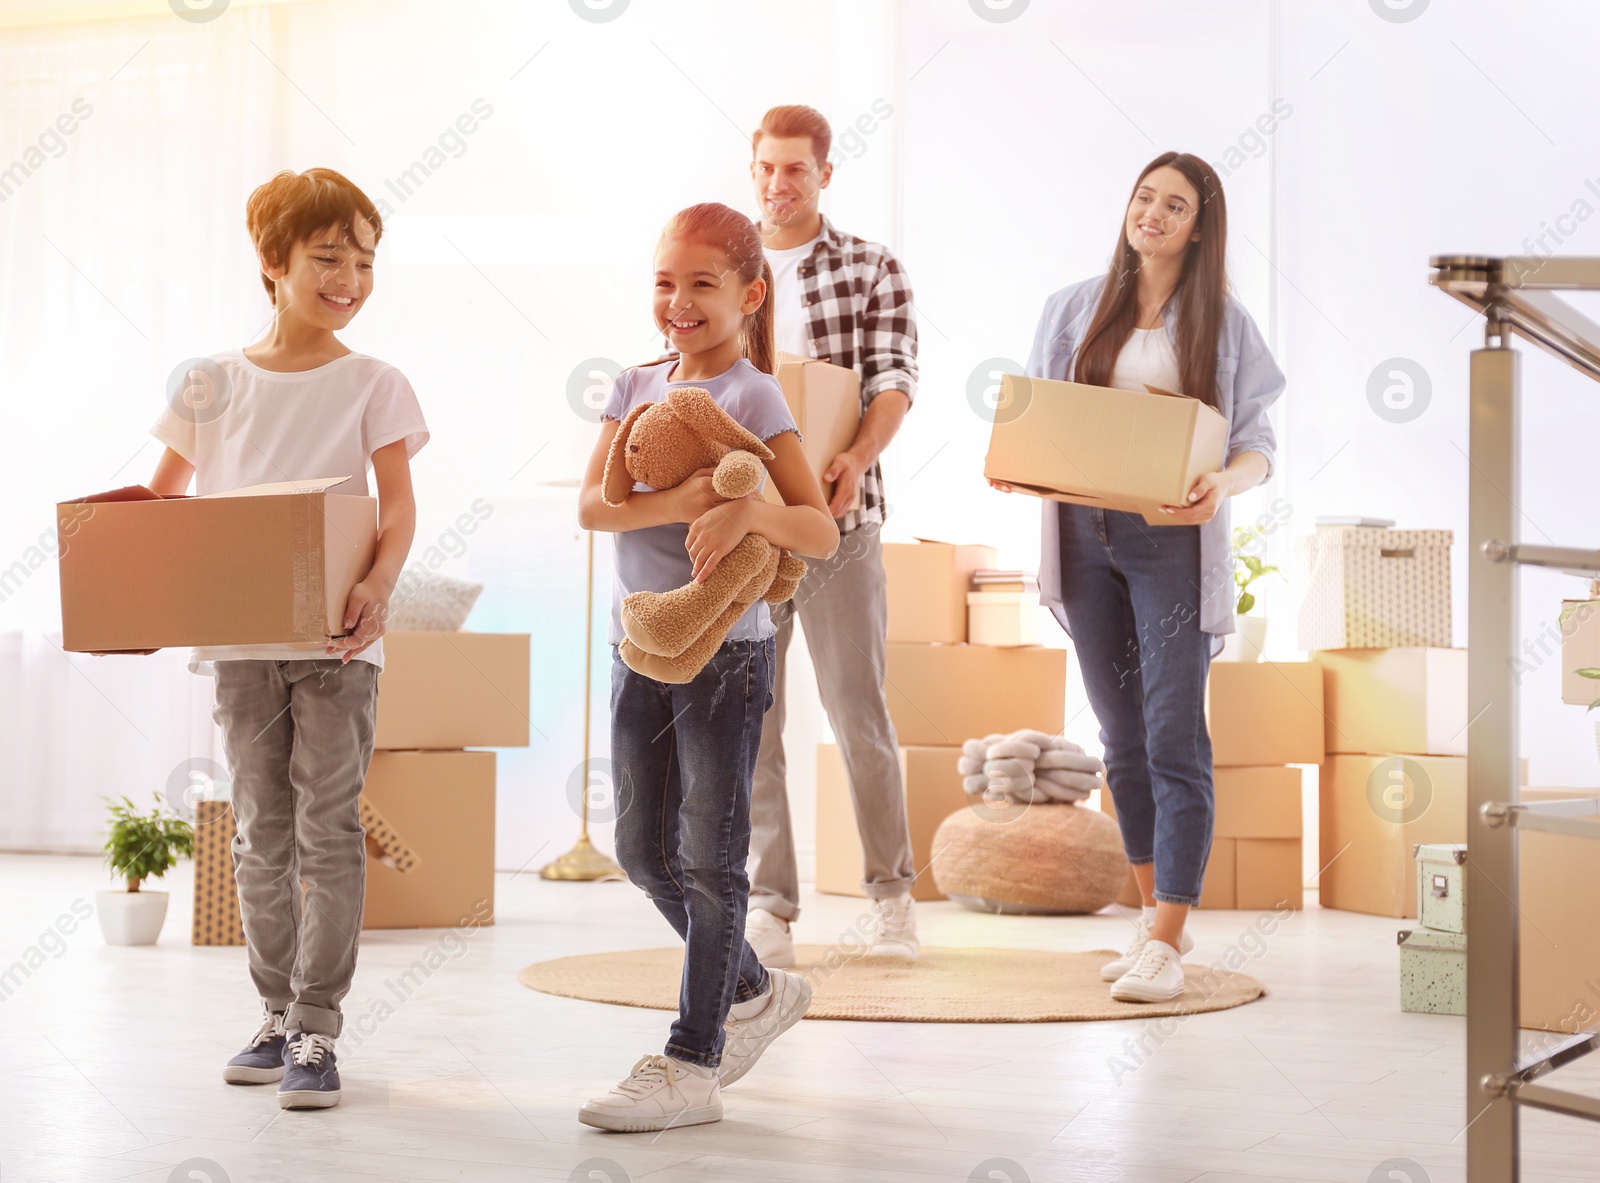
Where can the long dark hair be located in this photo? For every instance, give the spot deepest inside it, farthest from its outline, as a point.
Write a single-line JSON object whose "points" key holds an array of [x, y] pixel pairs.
{"points": [[1201, 293], [740, 239]]}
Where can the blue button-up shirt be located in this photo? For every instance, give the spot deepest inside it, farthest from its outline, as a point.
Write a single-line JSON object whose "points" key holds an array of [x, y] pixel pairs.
{"points": [[1248, 382]]}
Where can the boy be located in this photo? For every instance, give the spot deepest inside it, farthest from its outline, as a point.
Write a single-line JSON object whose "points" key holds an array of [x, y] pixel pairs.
{"points": [[297, 721]]}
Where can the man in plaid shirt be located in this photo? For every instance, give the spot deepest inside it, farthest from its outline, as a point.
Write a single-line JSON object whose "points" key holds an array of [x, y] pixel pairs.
{"points": [[843, 300]]}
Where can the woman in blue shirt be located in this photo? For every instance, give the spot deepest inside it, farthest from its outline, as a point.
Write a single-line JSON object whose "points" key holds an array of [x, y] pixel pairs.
{"points": [[1146, 606]]}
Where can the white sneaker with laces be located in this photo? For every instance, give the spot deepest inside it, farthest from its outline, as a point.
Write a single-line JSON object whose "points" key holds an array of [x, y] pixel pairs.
{"points": [[769, 936], [660, 1093], [746, 1039], [1156, 977], [1141, 937], [896, 930]]}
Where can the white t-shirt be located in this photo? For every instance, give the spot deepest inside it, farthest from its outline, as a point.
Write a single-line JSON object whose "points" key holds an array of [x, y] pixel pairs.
{"points": [[790, 324], [265, 426], [1148, 357]]}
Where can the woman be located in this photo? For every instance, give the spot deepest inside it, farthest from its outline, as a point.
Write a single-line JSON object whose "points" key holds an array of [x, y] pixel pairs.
{"points": [[1146, 606]]}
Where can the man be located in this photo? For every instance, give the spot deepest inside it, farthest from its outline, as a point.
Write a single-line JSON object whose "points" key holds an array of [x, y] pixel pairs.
{"points": [[843, 300]]}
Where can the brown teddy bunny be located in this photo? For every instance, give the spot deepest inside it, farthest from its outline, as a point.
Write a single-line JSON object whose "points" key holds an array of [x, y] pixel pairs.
{"points": [[671, 635]]}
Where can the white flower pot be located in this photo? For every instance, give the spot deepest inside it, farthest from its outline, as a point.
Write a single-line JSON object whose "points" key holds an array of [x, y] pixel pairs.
{"points": [[1246, 642], [131, 917]]}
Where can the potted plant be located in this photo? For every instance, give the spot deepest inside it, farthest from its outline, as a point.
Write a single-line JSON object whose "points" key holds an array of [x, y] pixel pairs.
{"points": [[140, 846], [1249, 636]]}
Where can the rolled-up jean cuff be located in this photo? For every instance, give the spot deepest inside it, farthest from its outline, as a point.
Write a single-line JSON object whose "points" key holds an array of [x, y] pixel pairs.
{"points": [[1188, 901], [313, 1020], [688, 1057]]}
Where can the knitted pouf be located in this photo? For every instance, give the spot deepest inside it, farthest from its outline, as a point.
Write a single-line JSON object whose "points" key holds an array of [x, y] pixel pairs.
{"points": [[1047, 859]]}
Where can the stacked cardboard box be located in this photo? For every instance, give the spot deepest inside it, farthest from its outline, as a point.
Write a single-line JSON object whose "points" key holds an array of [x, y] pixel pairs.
{"points": [[942, 690], [428, 804], [1396, 774], [1559, 914], [1264, 718]]}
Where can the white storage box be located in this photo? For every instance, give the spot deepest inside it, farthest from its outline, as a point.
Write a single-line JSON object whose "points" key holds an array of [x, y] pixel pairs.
{"points": [[1002, 618], [1374, 588]]}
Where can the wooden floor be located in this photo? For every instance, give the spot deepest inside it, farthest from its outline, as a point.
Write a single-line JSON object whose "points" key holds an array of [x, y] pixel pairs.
{"points": [[112, 1061]]}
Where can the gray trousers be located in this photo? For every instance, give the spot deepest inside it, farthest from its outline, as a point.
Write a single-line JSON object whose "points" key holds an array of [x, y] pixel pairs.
{"points": [[843, 605], [298, 737]]}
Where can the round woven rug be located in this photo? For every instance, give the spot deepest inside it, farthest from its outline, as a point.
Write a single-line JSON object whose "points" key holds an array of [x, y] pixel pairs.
{"points": [[944, 986]]}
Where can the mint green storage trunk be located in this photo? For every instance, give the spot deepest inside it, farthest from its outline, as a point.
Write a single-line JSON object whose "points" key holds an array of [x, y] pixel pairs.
{"points": [[1433, 972], [1441, 886]]}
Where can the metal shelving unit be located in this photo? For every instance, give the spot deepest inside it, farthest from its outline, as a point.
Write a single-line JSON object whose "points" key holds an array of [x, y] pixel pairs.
{"points": [[1518, 296]]}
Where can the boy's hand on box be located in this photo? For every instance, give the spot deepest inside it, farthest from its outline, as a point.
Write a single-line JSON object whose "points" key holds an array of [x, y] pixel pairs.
{"points": [[1204, 500], [364, 615]]}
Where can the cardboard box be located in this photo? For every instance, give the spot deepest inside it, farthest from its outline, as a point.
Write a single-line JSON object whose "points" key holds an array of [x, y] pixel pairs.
{"points": [[1003, 618], [1409, 700], [1374, 810], [1580, 649], [1559, 923], [1265, 712], [266, 565], [216, 892], [1367, 587], [1267, 874], [1095, 445], [944, 695], [933, 792], [444, 803], [928, 584], [1258, 803], [825, 401], [453, 690]]}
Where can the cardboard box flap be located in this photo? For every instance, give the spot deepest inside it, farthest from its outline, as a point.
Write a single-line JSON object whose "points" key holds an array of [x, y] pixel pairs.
{"points": [[126, 493], [320, 484], [381, 834]]}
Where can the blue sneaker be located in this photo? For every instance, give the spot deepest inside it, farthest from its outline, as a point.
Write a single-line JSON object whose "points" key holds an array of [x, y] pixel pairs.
{"points": [[310, 1078], [262, 1061]]}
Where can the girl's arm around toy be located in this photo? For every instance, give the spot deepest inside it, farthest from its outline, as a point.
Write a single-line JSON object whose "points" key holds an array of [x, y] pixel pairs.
{"points": [[801, 524]]}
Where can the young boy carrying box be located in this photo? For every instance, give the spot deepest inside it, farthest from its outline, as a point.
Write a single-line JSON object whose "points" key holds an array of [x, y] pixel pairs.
{"points": [[297, 721]]}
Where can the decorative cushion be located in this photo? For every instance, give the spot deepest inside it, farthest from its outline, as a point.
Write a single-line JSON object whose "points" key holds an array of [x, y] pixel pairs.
{"points": [[431, 603], [1044, 858]]}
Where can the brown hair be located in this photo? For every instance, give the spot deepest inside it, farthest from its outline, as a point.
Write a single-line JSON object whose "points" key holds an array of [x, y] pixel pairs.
{"points": [[1201, 293], [786, 122], [739, 238], [292, 207]]}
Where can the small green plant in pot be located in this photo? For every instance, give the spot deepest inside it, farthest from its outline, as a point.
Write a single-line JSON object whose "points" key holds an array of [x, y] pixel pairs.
{"points": [[140, 846], [1250, 632]]}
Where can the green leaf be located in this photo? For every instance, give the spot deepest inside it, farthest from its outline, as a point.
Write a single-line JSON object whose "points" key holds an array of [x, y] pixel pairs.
{"points": [[1246, 602], [1588, 671]]}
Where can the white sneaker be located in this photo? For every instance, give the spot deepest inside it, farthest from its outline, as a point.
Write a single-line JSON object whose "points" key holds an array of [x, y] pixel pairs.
{"points": [[769, 936], [1156, 977], [660, 1093], [896, 933], [788, 997], [1141, 937]]}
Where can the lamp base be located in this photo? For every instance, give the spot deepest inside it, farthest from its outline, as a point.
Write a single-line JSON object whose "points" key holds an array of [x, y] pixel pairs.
{"points": [[583, 864]]}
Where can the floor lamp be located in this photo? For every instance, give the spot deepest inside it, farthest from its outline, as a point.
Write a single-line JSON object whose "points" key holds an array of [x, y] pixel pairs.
{"points": [[583, 863]]}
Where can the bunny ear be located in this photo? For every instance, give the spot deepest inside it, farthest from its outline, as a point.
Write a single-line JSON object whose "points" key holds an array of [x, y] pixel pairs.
{"points": [[616, 457], [695, 406]]}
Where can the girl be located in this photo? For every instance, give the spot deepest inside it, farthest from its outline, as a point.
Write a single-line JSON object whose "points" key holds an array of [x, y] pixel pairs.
{"points": [[1146, 606], [684, 754]]}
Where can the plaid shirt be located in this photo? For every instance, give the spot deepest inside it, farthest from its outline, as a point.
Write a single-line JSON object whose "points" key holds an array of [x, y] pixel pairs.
{"points": [[859, 309]]}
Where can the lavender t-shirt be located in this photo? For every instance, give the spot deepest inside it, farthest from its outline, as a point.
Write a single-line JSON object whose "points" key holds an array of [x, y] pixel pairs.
{"points": [[657, 558]]}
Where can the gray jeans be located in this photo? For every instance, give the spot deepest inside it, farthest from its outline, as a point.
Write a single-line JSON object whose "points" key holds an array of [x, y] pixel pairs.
{"points": [[298, 736], [843, 605]]}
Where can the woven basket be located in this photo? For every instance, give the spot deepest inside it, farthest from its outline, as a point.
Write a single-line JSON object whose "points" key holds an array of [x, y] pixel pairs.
{"points": [[1050, 859]]}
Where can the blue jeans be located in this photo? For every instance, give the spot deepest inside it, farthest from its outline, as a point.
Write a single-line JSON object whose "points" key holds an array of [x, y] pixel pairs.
{"points": [[684, 757], [1132, 597]]}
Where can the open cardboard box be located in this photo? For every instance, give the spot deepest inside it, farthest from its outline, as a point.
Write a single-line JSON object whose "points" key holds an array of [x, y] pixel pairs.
{"points": [[1096, 445], [825, 401], [264, 565]]}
